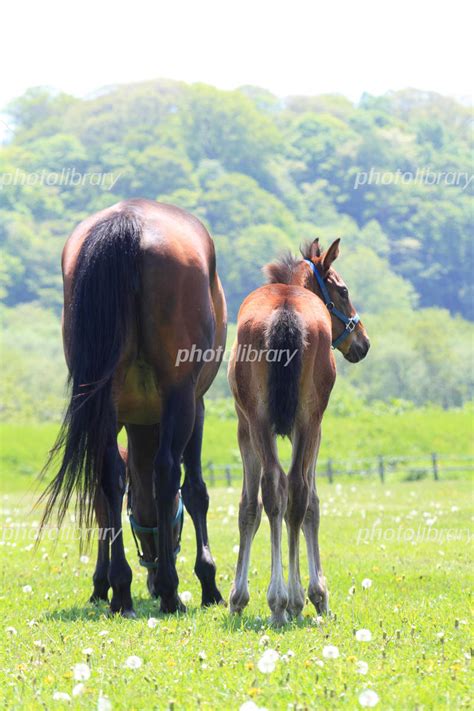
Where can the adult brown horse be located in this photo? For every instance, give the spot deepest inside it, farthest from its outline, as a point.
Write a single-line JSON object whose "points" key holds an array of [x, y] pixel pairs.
{"points": [[291, 323], [140, 285]]}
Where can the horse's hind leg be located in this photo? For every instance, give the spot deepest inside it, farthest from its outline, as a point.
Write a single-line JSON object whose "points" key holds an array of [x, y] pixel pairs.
{"points": [[196, 500], [176, 427], [100, 578], [119, 573], [250, 514]]}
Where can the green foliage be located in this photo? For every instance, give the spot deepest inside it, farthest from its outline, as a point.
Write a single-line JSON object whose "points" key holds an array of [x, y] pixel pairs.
{"points": [[264, 175]]}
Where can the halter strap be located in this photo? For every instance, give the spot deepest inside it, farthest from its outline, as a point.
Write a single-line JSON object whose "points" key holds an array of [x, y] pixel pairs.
{"points": [[138, 528], [350, 322]]}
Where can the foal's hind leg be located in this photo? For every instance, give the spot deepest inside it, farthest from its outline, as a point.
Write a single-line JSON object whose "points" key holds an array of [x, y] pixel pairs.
{"points": [[196, 500], [250, 514], [317, 590], [304, 446], [275, 497]]}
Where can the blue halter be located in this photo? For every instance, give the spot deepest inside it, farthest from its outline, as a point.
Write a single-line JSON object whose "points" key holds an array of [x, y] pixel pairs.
{"points": [[177, 523], [350, 322]]}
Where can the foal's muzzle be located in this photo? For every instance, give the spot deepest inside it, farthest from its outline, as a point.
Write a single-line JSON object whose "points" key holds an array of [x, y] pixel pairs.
{"points": [[357, 351]]}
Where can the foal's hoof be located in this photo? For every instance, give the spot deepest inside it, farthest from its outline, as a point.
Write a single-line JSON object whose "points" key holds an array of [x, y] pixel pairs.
{"points": [[279, 619], [238, 600], [320, 600]]}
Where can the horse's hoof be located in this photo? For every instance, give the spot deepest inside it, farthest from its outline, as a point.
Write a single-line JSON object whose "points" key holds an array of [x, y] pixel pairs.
{"points": [[213, 599], [172, 605], [96, 599], [129, 614]]}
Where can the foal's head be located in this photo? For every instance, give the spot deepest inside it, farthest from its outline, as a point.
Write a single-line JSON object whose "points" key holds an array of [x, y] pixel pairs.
{"points": [[315, 272]]}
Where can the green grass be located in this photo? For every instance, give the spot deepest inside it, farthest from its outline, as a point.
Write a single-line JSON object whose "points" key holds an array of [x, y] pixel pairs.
{"points": [[416, 609]]}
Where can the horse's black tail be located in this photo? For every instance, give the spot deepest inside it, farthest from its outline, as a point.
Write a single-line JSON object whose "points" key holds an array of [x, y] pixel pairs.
{"points": [[285, 337], [105, 285]]}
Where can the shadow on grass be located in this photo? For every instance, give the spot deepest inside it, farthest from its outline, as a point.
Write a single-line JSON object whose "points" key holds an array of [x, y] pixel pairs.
{"points": [[256, 623], [92, 612]]}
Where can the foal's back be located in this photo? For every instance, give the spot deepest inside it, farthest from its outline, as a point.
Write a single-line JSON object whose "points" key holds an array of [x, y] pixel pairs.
{"points": [[260, 312]]}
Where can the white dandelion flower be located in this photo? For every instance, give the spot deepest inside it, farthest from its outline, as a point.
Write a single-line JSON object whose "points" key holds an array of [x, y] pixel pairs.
{"points": [[84, 559], [366, 583], [368, 698], [152, 622], [363, 635], [235, 549], [81, 671], [264, 641], [87, 651], [11, 630], [186, 597], [330, 652], [61, 696], [78, 690], [249, 706], [133, 662], [267, 662], [362, 667], [103, 704], [103, 633], [28, 589]]}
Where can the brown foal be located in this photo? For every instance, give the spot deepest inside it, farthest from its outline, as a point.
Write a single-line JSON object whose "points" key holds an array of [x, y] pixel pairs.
{"points": [[284, 389]]}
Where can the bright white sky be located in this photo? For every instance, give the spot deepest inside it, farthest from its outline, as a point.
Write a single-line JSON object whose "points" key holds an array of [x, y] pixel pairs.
{"points": [[289, 47]]}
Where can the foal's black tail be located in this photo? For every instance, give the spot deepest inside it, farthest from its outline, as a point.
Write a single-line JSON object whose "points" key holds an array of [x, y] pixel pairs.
{"points": [[286, 338], [105, 284]]}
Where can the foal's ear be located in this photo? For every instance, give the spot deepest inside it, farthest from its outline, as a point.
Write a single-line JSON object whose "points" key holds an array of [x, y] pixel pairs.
{"points": [[330, 255], [315, 249]]}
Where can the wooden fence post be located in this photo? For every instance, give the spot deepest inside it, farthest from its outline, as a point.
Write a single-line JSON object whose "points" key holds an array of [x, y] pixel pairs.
{"points": [[434, 461], [212, 479], [381, 469], [228, 476], [330, 474]]}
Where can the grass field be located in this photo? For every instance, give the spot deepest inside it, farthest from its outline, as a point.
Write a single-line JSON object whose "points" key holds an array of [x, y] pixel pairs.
{"points": [[410, 539]]}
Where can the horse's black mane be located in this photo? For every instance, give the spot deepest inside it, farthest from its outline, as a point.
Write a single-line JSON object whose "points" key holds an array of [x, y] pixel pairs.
{"points": [[281, 271]]}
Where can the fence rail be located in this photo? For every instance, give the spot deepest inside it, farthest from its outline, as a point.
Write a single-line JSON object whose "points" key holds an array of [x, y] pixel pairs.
{"points": [[409, 468]]}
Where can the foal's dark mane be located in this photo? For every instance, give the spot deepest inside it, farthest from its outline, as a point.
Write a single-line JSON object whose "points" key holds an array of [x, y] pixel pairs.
{"points": [[282, 270]]}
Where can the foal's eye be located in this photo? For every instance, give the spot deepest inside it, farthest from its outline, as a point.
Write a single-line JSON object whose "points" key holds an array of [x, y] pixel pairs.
{"points": [[344, 292]]}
